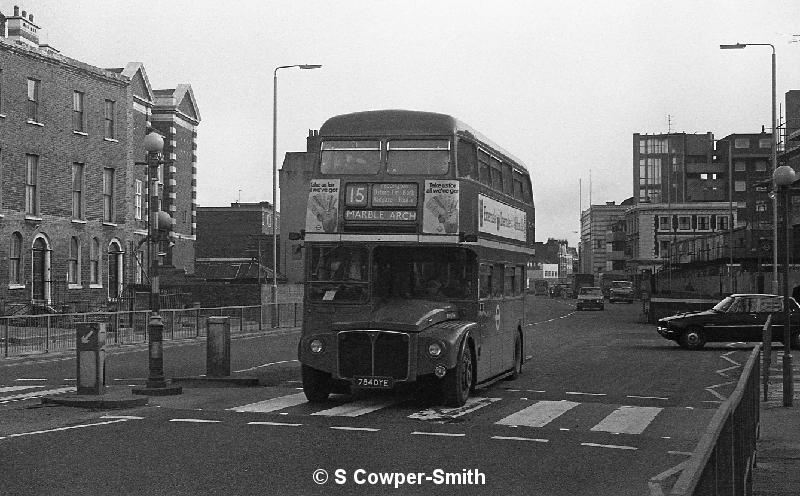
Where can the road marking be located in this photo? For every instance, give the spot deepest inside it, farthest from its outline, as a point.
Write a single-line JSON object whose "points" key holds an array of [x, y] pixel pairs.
{"points": [[285, 424], [81, 426], [17, 388], [628, 419], [585, 394], [534, 391], [20, 380], [443, 434], [686, 453], [471, 405], [612, 446], [539, 414], [272, 404], [710, 389], [195, 421], [264, 365], [126, 417], [355, 408], [655, 482], [36, 394], [365, 429], [516, 438], [646, 397]]}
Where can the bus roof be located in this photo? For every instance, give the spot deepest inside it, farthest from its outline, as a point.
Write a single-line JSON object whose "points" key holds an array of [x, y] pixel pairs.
{"points": [[406, 123]]}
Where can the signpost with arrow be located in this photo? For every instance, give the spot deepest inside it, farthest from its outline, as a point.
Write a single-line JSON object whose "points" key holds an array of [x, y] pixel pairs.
{"points": [[90, 343]]}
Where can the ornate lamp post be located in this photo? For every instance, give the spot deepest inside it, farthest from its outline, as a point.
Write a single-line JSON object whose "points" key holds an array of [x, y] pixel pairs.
{"points": [[784, 176], [275, 184], [156, 220]]}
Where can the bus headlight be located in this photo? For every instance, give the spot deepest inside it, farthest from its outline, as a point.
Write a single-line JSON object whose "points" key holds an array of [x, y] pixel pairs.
{"points": [[315, 346], [435, 349]]}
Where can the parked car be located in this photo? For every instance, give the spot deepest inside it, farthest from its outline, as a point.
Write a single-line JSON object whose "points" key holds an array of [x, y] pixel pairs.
{"points": [[590, 297], [739, 317]]}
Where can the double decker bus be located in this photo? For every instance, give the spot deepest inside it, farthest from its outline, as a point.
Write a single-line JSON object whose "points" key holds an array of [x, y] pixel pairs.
{"points": [[418, 230]]}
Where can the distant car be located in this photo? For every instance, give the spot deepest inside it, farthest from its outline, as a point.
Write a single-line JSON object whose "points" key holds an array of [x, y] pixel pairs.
{"points": [[620, 291], [590, 297], [739, 317]]}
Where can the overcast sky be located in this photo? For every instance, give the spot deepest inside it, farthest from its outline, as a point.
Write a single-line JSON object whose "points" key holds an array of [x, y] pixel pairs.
{"points": [[561, 85]]}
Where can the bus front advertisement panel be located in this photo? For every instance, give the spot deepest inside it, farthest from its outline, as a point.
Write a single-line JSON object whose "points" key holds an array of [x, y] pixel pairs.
{"points": [[322, 214], [441, 207]]}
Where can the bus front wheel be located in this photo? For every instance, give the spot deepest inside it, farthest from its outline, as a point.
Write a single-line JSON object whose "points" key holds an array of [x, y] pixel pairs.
{"points": [[316, 384], [459, 381]]}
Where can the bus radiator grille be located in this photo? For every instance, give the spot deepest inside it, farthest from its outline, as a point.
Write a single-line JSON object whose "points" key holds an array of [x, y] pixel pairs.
{"points": [[373, 353]]}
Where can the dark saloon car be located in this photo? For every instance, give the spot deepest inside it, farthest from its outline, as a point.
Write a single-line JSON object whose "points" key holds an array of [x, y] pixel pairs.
{"points": [[590, 297], [739, 317]]}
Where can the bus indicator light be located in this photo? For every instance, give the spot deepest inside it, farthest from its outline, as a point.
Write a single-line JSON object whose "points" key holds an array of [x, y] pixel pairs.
{"points": [[315, 346]]}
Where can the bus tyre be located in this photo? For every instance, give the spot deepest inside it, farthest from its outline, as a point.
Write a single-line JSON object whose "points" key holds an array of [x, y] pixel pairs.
{"points": [[316, 384], [459, 381], [692, 339]]}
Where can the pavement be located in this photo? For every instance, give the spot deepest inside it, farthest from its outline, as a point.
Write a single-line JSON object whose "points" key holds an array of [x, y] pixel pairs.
{"points": [[777, 470]]}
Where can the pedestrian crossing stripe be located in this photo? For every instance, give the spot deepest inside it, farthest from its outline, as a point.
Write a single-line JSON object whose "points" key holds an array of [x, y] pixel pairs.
{"points": [[539, 414], [628, 420], [272, 404], [355, 408], [36, 394], [8, 389]]}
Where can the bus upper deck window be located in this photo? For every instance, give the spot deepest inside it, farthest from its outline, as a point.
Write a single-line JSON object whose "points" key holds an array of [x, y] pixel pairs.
{"points": [[412, 157], [350, 157]]}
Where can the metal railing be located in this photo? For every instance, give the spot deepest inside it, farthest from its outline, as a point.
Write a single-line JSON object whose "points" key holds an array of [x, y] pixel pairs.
{"points": [[27, 334], [723, 461]]}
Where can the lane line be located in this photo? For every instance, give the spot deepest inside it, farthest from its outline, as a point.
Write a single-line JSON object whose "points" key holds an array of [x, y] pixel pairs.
{"points": [[81, 426], [23, 379], [195, 421], [628, 420], [516, 438], [265, 365], [272, 404], [612, 446], [646, 397], [365, 429], [585, 394], [126, 417], [443, 434], [539, 414], [284, 424]]}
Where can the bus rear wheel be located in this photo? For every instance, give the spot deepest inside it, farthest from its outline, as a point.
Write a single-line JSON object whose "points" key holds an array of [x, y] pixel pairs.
{"points": [[316, 384], [459, 381]]}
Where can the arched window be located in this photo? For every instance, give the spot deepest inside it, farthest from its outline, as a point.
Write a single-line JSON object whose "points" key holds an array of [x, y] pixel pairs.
{"points": [[74, 261], [94, 262], [15, 260]]}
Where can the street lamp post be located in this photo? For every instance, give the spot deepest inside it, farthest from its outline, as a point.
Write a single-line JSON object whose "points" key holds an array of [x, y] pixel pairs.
{"points": [[738, 46], [784, 176], [275, 183], [156, 219]]}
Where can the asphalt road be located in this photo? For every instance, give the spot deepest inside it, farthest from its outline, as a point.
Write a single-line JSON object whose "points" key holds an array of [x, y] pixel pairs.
{"points": [[604, 405]]}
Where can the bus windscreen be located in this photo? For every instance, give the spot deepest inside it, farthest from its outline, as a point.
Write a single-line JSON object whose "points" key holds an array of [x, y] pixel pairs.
{"points": [[422, 157], [351, 157]]}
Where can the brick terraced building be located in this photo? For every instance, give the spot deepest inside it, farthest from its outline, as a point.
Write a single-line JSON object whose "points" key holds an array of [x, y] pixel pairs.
{"points": [[74, 203]]}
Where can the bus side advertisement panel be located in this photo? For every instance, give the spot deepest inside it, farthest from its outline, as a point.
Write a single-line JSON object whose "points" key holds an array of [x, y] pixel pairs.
{"points": [[440, 214], [500, 219], [322, 213]]}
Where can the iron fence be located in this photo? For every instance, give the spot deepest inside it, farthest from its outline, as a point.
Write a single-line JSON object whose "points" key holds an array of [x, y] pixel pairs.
{"points": [[28, 334], [722, 463]]}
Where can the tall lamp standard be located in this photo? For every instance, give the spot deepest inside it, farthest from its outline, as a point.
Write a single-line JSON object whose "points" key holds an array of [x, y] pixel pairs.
{"points": [[739, 46], [156, 221], [275, 183], [784, 176]]}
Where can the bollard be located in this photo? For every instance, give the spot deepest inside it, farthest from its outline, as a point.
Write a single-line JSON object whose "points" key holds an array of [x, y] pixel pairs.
{"points": [[91, 343], [218, 347]]}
